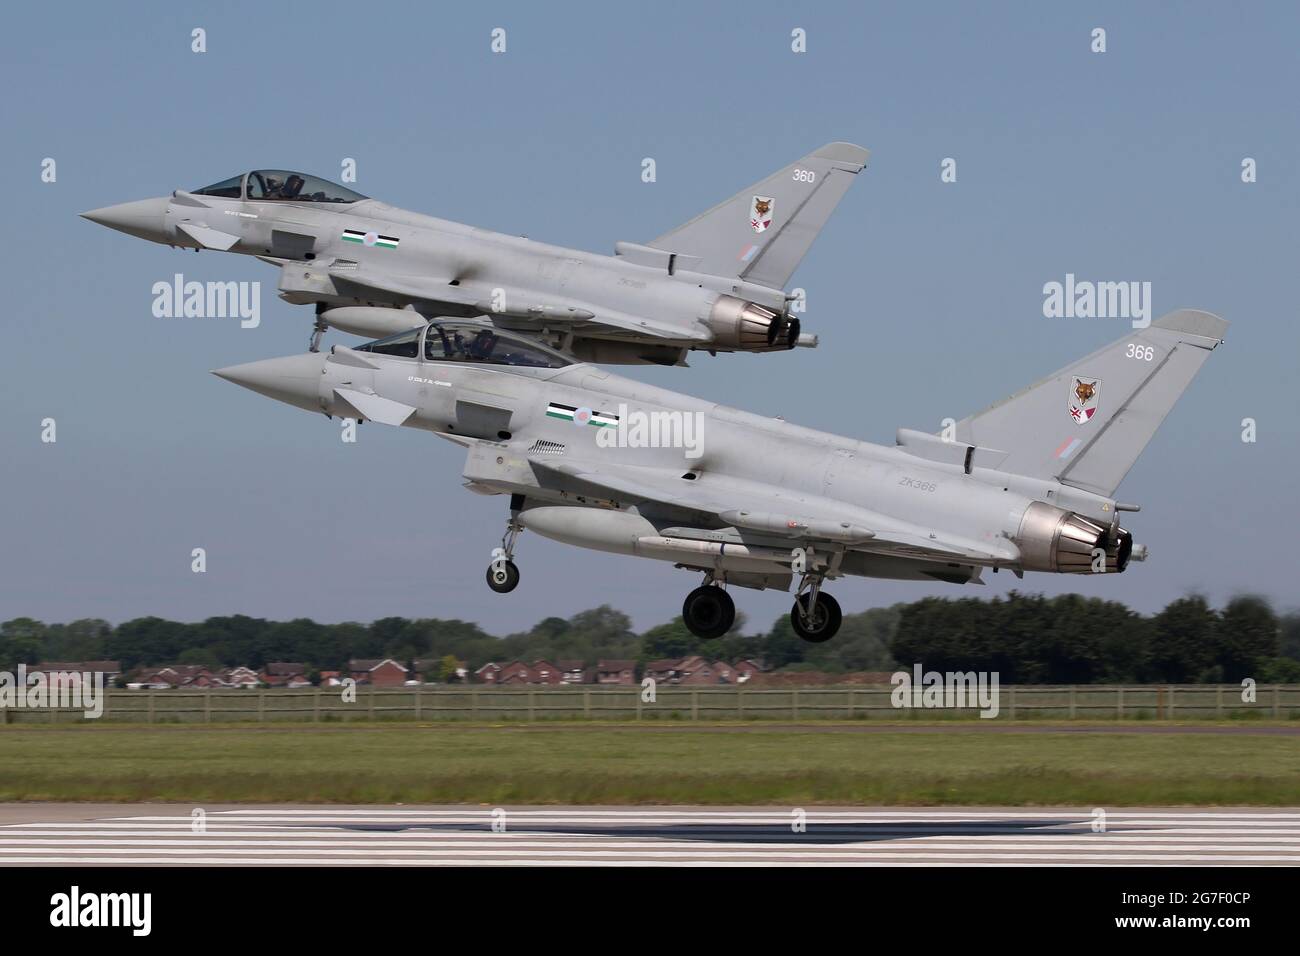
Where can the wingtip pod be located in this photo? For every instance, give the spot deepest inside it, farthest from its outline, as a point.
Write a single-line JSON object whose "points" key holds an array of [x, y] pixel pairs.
{"points": [[848, 153], [1195, 322]]}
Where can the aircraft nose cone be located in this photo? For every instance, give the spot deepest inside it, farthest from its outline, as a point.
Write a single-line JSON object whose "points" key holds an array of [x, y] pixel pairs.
{"points": [[145, 218], [294, 379]]}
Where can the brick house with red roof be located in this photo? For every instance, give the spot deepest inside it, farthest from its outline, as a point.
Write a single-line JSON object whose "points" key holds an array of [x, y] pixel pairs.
{"points": [[379, 673], [615, 672]]}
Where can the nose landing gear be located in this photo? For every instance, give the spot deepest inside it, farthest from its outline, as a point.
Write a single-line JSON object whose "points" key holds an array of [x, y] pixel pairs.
{"points": [[502, 574]]}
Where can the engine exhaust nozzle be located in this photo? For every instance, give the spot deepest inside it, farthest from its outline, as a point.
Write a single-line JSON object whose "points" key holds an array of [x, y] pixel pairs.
{"points": [[1052, 539]]}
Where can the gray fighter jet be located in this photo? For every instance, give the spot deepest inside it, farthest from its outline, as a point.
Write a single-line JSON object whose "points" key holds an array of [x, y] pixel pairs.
{"points": [[598, 461], [716, 283]]}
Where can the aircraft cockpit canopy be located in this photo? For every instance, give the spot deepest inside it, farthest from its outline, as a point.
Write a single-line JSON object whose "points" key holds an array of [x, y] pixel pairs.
{"points": [[468, 342], [264, 185]]}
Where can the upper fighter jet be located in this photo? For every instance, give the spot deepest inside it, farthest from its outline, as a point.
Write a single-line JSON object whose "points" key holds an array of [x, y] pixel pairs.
{"points": [[598, 461], [716, 283]]}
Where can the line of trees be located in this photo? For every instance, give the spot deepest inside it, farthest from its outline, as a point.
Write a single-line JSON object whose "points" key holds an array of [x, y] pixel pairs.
{"points": [[1075, 640], [1026, 638]]}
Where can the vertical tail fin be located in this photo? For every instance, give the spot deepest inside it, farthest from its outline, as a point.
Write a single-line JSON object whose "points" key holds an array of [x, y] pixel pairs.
{"points": [[1086, 424], [762, 233]]}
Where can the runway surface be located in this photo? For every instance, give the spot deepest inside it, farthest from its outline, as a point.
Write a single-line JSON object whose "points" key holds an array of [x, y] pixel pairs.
{"points": [[170, 835]]}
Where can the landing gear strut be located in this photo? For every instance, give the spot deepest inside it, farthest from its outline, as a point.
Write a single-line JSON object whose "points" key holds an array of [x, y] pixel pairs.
{"points": [[318, 329], [502, 574], [816, 616], [708, 611]]}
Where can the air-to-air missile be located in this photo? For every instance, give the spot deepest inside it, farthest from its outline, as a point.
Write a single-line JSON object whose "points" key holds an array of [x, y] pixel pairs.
{"points": [[595, 460], [716, 283]]}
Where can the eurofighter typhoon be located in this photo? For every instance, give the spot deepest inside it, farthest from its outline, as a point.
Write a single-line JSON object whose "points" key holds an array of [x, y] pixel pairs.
{"points": [[596, 460], [716, 283]]}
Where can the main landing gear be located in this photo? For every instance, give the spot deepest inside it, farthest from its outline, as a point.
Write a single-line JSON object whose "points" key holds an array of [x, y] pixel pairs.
{"points": [[502, 574], [708, 611], [816, 616], [318, 329]]}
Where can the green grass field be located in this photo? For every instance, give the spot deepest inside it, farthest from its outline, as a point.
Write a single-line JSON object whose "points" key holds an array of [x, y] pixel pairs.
{"points": [[620, 764]]}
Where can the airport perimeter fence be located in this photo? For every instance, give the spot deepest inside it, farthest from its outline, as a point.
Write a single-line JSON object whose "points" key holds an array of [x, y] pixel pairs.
{"points": [[672, 703]]}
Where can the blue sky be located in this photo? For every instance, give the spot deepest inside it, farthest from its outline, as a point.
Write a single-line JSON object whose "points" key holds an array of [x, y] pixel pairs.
{"points": [[927, 296]]}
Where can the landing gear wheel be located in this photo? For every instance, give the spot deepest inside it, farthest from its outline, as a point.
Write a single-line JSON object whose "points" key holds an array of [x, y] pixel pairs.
{"points": [[822, 624], [709, 611], [502, 577]]}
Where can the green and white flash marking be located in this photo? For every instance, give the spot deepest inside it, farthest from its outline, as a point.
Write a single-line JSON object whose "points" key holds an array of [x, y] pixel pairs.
{"points": [[370, 239], [580, 416]]}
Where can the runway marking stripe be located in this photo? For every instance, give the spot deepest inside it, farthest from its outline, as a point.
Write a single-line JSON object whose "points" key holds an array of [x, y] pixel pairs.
{"points": [[768, 814], [493, 845], [455, 861], [976, 830], [633, 861], [234, 830], [718, 838], [739, 816]]}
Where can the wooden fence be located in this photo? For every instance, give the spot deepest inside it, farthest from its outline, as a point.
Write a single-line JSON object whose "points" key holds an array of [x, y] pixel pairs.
{"points": [[671, 702]]}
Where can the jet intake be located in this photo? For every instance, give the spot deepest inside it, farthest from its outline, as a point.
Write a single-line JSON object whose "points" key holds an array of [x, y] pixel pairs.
{"points": [[373, 322], [749, 327], [1052, 539]]}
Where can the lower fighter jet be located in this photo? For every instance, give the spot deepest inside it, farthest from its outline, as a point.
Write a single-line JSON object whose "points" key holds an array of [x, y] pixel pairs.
{"points": [[599, 461]]}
